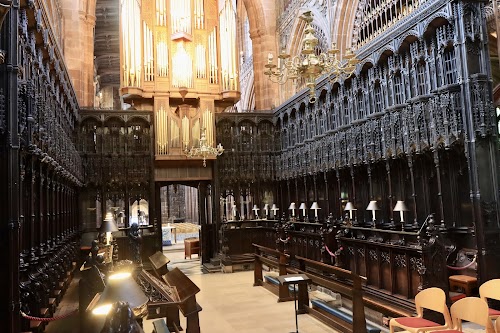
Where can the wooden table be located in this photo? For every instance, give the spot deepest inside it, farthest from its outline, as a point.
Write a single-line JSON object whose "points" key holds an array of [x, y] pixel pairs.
{"points": [[173, 230], [191, 246]]}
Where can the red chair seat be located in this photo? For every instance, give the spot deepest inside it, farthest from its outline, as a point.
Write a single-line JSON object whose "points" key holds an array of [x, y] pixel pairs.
{"points": [[415, 322], [456, 296], [493, 312]]}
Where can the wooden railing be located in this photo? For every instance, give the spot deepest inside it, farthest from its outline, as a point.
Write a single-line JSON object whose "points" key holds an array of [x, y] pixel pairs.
{"points": [[272, 259], [336, 279], [351, 288]]}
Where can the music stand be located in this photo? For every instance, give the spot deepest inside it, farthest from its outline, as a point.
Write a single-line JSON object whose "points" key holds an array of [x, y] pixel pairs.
{"points": [[300, 287]]}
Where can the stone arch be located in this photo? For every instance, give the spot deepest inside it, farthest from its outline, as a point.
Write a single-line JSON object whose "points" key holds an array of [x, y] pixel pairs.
{"points": [[344, 20], [262, 22]]}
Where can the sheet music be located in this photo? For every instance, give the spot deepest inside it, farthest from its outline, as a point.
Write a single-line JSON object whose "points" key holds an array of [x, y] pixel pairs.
{"points": [[293, 278]]}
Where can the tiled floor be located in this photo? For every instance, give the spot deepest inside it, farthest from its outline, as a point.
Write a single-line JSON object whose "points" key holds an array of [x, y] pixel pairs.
{"points": [[230, 303]]}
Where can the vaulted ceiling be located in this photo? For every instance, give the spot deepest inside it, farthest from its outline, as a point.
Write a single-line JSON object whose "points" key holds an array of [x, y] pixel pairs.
{"points": [[107, 43]]}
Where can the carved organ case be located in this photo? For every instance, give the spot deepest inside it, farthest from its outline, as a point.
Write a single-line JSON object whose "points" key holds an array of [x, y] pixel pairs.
{"points": [[173, 61]]}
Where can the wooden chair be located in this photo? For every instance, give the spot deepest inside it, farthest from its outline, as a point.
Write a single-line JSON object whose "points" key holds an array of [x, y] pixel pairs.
{"points": [[491, 289], [472, 309], [431, 299], [497, 326]]}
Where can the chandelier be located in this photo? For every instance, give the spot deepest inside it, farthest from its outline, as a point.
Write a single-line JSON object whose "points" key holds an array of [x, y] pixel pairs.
{"points": [[204, 150], [309, 65]]}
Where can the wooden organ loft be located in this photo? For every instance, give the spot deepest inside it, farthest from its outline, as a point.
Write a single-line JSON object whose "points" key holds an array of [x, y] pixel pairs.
{"points": [[415, 123]]}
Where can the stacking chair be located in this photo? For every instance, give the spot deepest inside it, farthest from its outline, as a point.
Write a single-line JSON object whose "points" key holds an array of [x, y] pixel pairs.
{"points": [[431, 299], [472, 309], [491, 289]]}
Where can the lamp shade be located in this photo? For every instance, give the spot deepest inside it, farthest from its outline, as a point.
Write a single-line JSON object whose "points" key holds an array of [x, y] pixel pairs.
{"points": [[274, 207], [292, 206], [400, 206], [108, 225], [349, 206], [315, 205], [302, 206], [255, 207], [372, 206], [266, 206], [121, 287]]}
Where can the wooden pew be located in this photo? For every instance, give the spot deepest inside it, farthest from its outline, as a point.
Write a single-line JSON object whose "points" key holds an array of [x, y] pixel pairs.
{"points": [[272, 259], [351, 288]]}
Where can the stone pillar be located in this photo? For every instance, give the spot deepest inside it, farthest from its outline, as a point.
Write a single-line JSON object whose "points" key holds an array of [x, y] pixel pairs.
{"points": [[78, 48]]}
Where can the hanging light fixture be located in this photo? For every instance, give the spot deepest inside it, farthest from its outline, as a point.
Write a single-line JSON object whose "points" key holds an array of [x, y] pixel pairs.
{"points": [[309, 65], [204, 150]]}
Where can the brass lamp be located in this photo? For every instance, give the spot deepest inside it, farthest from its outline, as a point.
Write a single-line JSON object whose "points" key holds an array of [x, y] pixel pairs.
{"points": [[303, 208], [108, 226], [292, 208], [349, 207], [400, 207], [315, 207], [373, 206], [121, 287]]}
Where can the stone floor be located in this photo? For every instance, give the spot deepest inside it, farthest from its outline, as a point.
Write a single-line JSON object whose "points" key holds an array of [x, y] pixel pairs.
{"points": [[230, 303]]}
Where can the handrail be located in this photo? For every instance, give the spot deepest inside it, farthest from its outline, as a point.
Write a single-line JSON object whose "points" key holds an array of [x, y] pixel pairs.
{"points": [[383, 230], [340, 271], [356, 292], [394, 231]]}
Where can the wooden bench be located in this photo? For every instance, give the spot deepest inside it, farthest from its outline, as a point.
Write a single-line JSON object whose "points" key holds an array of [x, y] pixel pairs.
{"points": [[351, 288], [272, 259], [330, 277]]}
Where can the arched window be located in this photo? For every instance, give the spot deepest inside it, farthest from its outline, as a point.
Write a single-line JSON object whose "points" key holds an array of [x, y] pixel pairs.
{"points": [[398, 89], [346, 112], [449, 66], [377, 98], [361, 105], [422, 85]]}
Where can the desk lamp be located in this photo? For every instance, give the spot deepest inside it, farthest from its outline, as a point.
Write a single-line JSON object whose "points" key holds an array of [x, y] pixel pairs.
{"points": [[121, 287], [315, 207], [108, 226], [373, 206], [349, 207], [401, 207]]}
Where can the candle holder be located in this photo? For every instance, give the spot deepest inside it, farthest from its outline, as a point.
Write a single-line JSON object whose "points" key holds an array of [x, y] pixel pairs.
{"points": [[274, 209], [266, 211], [256, 211]]}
